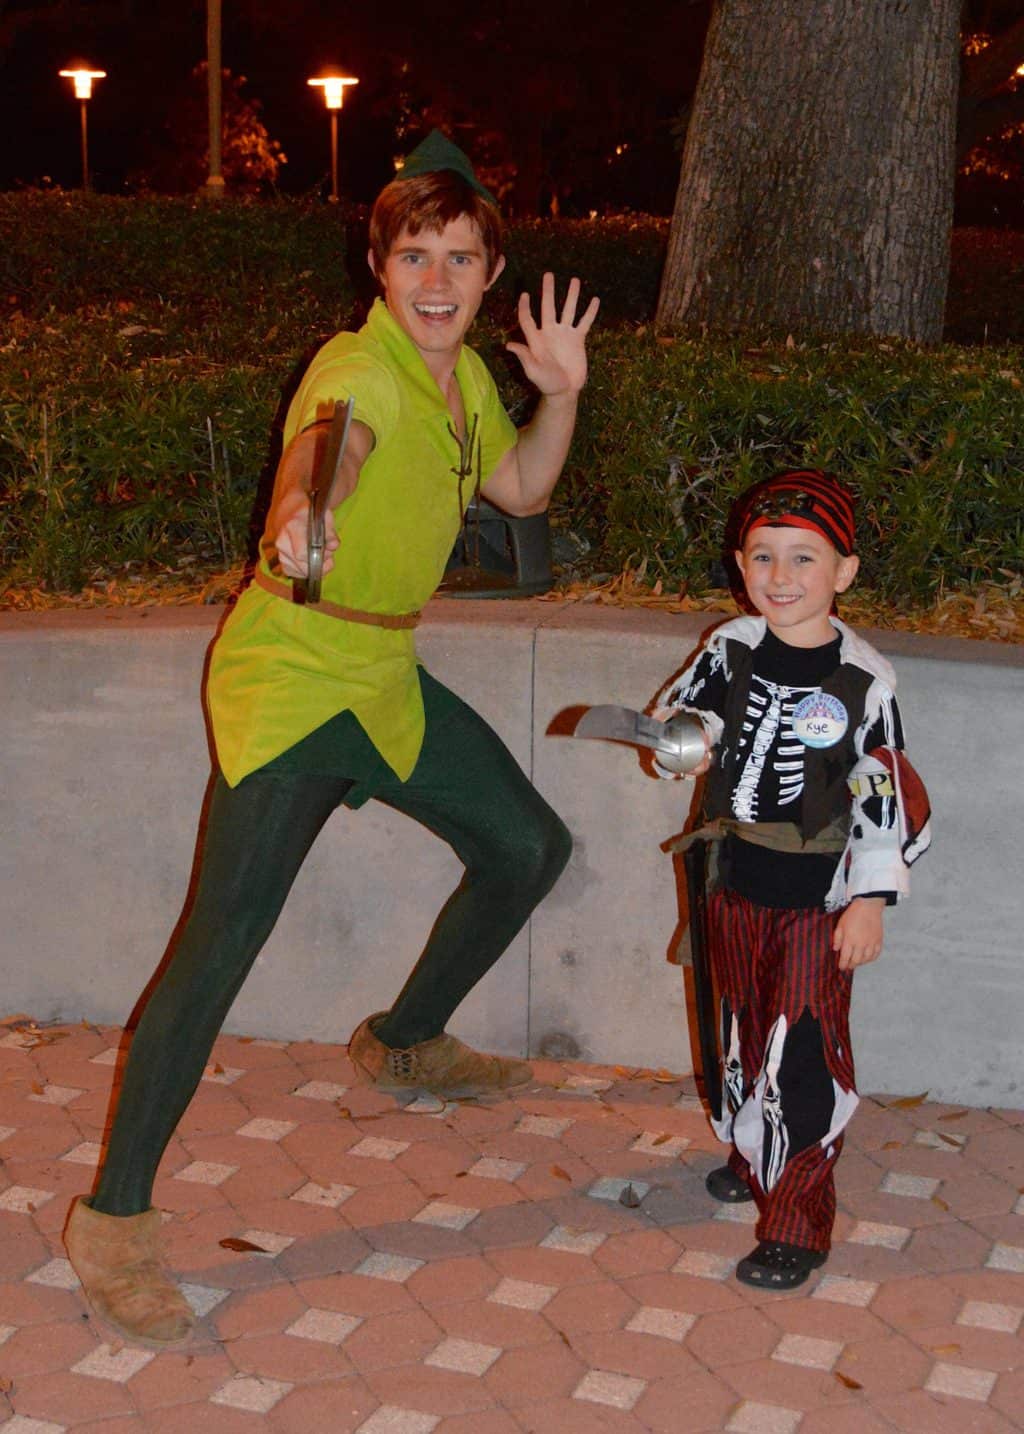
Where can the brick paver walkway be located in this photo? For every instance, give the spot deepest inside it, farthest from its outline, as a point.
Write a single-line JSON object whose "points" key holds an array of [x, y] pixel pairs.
{"points": [[544, 1265]]}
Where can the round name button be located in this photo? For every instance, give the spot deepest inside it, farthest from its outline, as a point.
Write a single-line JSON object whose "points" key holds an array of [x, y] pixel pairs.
{"points": [[820, 720]]}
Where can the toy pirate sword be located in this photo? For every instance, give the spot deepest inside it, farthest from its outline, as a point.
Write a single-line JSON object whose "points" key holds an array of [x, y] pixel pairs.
{"points": [[320, 494], [678, 743], [695, 866], [678, 746]]}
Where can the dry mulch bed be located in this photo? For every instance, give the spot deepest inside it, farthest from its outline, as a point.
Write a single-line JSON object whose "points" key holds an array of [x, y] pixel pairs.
{"points": [[992, 613]]}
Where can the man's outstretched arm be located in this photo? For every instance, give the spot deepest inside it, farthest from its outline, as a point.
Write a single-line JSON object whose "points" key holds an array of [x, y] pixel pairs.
{"points": [[554, 359]]}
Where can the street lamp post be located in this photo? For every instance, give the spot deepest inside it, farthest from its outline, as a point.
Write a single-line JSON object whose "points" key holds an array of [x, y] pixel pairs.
{"points": [[83, 79], [334, 94], [214, 186]]}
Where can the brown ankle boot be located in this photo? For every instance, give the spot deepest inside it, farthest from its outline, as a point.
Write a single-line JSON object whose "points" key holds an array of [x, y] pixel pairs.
{"points": [[443, 1066], [117, 1259]]}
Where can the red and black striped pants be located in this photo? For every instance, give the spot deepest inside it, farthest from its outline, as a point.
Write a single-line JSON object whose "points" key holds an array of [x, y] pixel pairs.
{"points": [[789, 1079]]}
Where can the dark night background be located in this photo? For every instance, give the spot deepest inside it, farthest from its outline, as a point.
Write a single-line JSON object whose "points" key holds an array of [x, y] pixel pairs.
{"points": [[542, 92], [566, 106]]}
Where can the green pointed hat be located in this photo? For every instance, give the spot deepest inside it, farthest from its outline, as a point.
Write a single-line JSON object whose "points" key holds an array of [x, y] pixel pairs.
{"points": [[437, 152]]}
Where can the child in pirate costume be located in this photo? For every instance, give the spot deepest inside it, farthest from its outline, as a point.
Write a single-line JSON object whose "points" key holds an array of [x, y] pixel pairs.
{"points": [[814, 815], [314, 705]]}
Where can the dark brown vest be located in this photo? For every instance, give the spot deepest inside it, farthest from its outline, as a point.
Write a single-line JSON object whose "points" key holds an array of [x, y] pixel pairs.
{"points": [[826, 797]]}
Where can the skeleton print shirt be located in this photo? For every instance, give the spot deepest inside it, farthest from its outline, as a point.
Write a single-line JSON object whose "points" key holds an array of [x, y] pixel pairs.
{"points": [[770, 766]]}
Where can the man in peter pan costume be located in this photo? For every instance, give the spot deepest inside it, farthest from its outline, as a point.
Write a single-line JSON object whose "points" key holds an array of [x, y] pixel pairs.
{"points": [[314, 706]]}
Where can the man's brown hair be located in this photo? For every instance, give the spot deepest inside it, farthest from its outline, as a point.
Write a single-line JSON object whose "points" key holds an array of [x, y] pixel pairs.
{"points": [[430, 202]]}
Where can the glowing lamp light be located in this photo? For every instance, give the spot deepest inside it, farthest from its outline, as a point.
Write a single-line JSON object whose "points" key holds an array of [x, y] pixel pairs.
{"points": [[334, 88], [82, 77], [83, 81]]}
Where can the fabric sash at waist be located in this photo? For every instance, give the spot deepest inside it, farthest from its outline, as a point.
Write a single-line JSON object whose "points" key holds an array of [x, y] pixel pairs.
{"points": [[777, 836], [333, 609]]}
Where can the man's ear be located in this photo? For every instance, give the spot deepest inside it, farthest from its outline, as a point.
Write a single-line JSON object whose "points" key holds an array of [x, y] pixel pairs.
{"points": [[846, 572], [499, 266], [373, 268], [738, 555]]}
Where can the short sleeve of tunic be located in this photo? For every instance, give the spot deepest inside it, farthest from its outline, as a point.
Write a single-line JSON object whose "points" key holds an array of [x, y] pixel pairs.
{"points": [[339, 371]]}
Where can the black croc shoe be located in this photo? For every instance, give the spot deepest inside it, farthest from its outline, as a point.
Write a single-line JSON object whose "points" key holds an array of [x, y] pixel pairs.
{"points": [[776, 1266], [728, 1187]]}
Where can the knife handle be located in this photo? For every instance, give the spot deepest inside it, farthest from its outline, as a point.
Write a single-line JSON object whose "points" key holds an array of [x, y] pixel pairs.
{"points": [[320, 496], [315, 548]]}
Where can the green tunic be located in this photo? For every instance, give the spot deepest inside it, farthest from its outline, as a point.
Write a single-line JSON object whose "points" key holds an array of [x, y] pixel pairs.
{"points": [[278, 670]]}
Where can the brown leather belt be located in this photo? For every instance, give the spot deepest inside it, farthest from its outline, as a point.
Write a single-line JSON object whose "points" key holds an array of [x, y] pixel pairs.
{"points": [[333, 609]]}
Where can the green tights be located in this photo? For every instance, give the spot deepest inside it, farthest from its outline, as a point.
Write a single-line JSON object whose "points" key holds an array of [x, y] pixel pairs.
{"points": [[466, 787]]}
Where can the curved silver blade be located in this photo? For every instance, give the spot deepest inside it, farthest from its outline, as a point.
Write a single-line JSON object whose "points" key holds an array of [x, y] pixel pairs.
{"points": [[609, 723]]}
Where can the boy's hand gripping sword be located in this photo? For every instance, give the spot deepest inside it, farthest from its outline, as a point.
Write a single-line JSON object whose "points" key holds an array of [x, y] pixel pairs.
{"points": [[320, 494]]}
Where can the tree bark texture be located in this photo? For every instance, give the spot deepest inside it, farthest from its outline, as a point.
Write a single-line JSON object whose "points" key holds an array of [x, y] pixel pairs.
{"points": [[816, 192]]}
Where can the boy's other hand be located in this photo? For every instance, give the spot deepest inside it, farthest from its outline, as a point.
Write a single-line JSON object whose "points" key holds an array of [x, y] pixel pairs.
{"points": [[858, 935]]}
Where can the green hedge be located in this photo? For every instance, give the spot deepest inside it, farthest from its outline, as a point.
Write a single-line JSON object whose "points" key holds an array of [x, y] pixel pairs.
{"points": [[145, 358], [64, 251], [933, 444]]}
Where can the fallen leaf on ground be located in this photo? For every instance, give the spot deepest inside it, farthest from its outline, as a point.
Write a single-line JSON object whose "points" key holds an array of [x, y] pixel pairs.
{"points": [[954, 1115], [235, 1242], [561, 1174], [846, 1380], [908, 1102]]}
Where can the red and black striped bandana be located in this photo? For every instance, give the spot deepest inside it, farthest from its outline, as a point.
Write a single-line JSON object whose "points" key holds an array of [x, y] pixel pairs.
{"points": [[801, 498]]}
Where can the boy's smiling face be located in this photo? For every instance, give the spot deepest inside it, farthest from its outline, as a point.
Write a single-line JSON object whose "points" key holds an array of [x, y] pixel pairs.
{"points": [[791, 576]]}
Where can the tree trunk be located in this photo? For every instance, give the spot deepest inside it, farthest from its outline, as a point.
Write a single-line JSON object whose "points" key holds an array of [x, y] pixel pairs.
{"points": [[817, 179]]}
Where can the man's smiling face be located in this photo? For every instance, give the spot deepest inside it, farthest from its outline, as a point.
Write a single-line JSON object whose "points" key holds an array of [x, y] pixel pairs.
{"points": [[433, 283]]}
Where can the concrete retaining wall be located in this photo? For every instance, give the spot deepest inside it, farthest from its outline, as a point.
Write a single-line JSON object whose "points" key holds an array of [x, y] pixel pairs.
{"points": [[105, 763]]}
